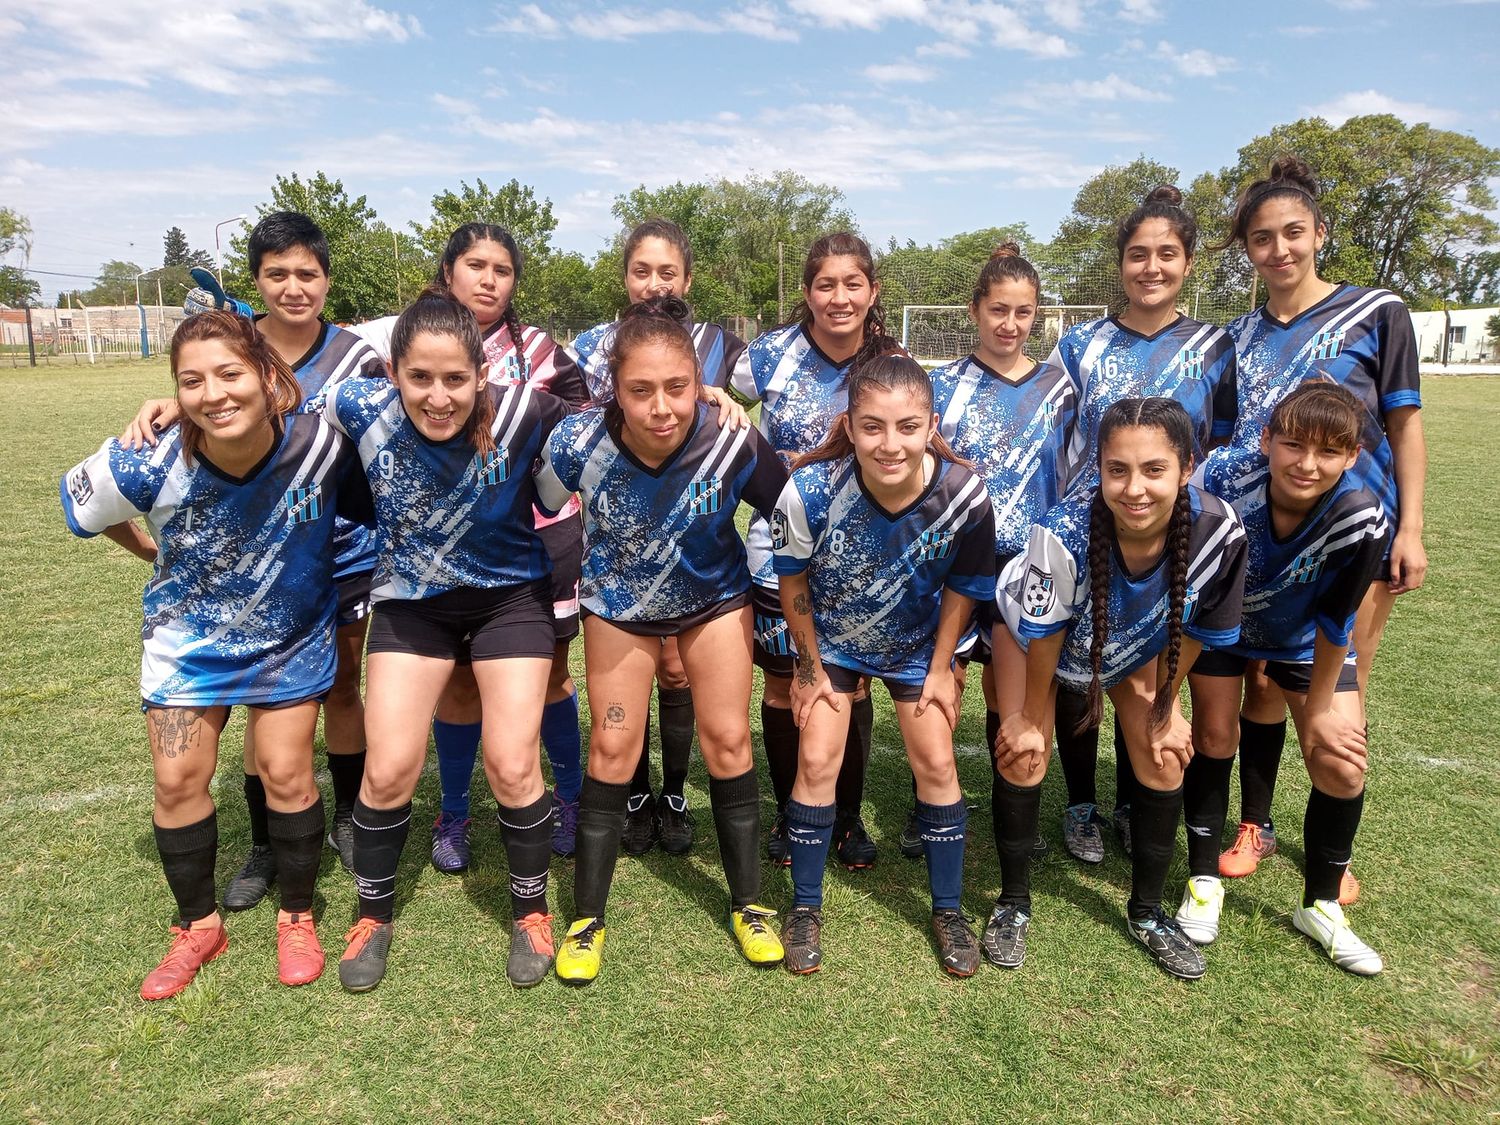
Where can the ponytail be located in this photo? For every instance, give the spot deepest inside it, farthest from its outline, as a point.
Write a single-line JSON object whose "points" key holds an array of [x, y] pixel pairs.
{"points": [[437, 312]]}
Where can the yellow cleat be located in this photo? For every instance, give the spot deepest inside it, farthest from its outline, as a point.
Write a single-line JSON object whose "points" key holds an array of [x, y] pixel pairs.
{"points": [[581, 951], [758, 942]]}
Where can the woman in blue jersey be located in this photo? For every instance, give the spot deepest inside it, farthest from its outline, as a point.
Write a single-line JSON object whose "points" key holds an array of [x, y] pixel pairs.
{"points": [[1148, 350], [884, 542], [461, 572], [1119, 589], [660, 479], [1012, 417], [1361, 339], [240, 609], [658, 262], [800, 373], [1316, 536]]}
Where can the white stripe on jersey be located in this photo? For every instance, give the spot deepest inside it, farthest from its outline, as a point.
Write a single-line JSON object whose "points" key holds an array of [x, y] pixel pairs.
{"points": [[1276, 388], [1027, 448], [1207, 557], [1368, 522]]}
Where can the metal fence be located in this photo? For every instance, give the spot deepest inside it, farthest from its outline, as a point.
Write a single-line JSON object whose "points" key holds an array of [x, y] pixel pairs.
{"points": [[86, 335]]}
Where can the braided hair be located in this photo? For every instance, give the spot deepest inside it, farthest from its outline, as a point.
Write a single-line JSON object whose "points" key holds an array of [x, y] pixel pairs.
{"points": [[1168, 416], [874, 340]]}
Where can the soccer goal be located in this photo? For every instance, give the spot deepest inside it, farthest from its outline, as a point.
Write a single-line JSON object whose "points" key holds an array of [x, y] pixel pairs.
{"points": [[938, 334]]}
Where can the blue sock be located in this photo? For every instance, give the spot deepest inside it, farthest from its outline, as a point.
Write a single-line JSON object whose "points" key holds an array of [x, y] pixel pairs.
{"points": [[943, 843], [809, 830], [457, 747], [564, 746]]}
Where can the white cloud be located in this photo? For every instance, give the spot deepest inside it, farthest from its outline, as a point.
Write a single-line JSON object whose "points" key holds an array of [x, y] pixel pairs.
{"points": [[865, 14], [1110, 88], [628, 23], [758, 20], [958, 22], [1196, 63], [1140, 11], [1067, 14], [1305, 30], [942, 51], [1353, 5], [528, 19], [1357, 103], [894, 74]]}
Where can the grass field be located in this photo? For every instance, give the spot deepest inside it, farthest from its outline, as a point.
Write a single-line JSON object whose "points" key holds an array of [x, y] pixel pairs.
{"points": [[677, 1028]]}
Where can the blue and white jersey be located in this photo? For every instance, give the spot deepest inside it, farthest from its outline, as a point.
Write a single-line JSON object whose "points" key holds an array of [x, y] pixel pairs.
{"points": [[1361, 339], [1047, 589], [718, 352], [660, 543], [1015, 433], [1187, 361], [335, 355], [240, 606], [877, 577], [448, 517], [1312, 580], [801, 393]]}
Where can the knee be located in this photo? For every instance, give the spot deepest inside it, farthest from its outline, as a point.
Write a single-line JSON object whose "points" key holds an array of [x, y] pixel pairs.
{"points": [[670, 673], [817, 767], [512, 776], [286, 776], [1214, 738], [175, 789], [344, 693], [388, 783], [1163, 778], [726, 746], [1338, 777], [934, 770]]}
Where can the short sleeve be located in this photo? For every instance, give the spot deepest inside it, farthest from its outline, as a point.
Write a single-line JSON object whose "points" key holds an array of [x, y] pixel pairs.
{"points": [[554, 481], [767, 478], [791, 535], [92, 496], [1220, 595], [742, 379], [1040, 593], [1397, 372], [1344, 587], [973, 570]]}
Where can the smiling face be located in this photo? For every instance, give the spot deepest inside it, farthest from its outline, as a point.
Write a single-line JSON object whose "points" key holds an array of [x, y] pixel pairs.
{"points": [[1303, 468], [483, 278], [839, 297], [656, 386], [293, 285], [438, 385], [220, 393], [1153, 267], [1140, 475], [1004, 319], [890, 431], [656, 269], [1282, 240]]}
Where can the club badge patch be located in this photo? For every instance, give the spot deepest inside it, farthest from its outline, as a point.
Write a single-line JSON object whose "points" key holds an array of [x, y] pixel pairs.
{"points": [[494, 469], [1039, 593], [704, 496], [80, 487], [778, 530], [303, 505]]}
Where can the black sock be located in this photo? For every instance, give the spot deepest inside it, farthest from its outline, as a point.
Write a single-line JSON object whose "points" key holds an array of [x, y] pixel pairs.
{"points": [[991, 731], [778, 731], [187, 860], [347, 771], [1328, 831], [1260, 760], [1016, 810], [849, 789], [640, 783], [1153, 824], [736, 805], [297, 843], [601, 819], [674, 716], [255, 801], [379, 837], [1126, 785], [1205, 805], [1078, 752], [527, 832]]}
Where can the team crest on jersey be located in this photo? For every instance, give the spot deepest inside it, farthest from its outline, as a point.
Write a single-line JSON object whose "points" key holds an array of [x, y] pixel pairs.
{"points": [[507, 370], [80, 487], [492, 469], [1328, 344], [1189, 600], [303, 505], [934, 545], [1049, 414], [704, 496], [1307, 567], [1039, 593], [1192, 363], [778, 530]]}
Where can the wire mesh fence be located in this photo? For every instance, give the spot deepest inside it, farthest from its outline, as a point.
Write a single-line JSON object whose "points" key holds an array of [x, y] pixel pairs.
{"points": [[99, 334]]}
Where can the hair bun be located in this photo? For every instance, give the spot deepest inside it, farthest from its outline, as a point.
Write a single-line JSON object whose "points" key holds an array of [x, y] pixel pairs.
{"points": [[1295, 171], [1008, 249], [665, 307], [1165, 193]]}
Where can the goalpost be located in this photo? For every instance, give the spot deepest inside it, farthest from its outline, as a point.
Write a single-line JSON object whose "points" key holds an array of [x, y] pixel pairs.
{"points": [[937, 334]]}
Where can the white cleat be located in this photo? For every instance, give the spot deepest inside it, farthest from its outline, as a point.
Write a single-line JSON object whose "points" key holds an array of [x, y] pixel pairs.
{"points": [[1323, 921], [1202, 901]]}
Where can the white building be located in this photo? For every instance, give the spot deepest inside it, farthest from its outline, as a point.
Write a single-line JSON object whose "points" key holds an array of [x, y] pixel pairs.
{"points": [[1469, 340]]}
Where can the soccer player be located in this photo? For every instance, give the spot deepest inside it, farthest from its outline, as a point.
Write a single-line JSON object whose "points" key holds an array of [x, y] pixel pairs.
{"points": [[1119, 589], [800, 373], [240, 497], [1316, 536], [1012, 417], [1149, 350], [288, 258], [481, 267], [1361, 339], [660, 479], [884, 542], [461, 570], [658, 262]]}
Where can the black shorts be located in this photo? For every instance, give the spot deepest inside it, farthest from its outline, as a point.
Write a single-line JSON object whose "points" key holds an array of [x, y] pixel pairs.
{"points": [[1288, 675], [564, 543], [491, 624], [278, 705], [846, 680], [354, 596], [675, 626], [774, 653]]}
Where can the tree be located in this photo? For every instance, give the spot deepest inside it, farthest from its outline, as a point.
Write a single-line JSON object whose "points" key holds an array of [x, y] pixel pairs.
{"points": [[513, 206], [175, 246], [15, 234], [15, 287], [114, 285]]}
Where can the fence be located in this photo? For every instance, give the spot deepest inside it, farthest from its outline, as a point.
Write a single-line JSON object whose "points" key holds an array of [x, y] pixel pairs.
{"points": [[92, 335]]}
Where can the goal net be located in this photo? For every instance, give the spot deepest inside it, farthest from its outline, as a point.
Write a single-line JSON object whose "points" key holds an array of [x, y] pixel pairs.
{"points": [[938, 334]]}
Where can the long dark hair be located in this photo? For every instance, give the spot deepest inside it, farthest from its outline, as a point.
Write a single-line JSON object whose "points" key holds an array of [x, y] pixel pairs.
{"points": [[1289, 177], [843, 244], [666, 230], [883, 373], [239, 335], [459, 243], [1168, 416], [439, 313], [654, 320]]}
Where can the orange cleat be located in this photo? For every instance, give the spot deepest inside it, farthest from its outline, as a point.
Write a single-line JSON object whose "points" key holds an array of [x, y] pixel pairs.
{"points": [[1251, 845], [299, 957], [1348, 889], [192, 947]]}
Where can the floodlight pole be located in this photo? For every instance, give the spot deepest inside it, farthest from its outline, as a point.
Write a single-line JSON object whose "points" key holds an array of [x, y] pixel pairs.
{"points": [[218, 251]]}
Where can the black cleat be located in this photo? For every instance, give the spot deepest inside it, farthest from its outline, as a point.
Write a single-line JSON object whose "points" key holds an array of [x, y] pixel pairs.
{"points": [[252, 881], [642, 829], [675, 826], [855, 848]]}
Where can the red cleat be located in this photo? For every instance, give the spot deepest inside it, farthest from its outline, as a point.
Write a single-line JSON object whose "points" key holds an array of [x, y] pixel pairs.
{"points": [[1251, 845], [299, 957], [192, 948]]}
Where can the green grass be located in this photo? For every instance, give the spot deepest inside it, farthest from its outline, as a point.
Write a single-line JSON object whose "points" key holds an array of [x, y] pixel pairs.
{"points": [[677, 1028]]}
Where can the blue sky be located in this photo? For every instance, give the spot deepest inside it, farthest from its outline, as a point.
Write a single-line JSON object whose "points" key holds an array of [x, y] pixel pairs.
{"points": [[119, 120]]}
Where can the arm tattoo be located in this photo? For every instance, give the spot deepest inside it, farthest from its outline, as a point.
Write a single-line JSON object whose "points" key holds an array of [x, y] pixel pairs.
{"points": [[176, 729], [800, 604], [806, 673]]}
